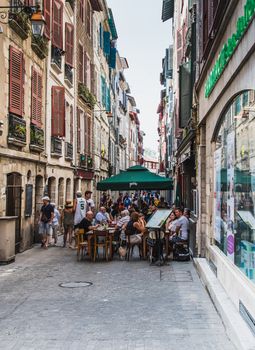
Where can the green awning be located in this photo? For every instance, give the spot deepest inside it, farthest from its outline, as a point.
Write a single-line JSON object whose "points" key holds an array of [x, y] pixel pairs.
{"points": [[167, 10], [135, 178]]}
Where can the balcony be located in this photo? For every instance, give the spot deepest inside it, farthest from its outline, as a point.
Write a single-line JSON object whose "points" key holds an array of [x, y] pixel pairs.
{"points": [[17, 131], [19, 22], [69, 75], [68, 151], [56, 147], [36, 138], [86, 95], [40, 46], [56, 58]]}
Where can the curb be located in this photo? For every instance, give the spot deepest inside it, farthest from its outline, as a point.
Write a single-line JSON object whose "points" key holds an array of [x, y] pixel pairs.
{"points": [[238, 331]]}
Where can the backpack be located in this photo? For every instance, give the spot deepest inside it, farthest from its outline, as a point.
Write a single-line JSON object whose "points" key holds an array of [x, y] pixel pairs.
{"points": [[181, 253]]}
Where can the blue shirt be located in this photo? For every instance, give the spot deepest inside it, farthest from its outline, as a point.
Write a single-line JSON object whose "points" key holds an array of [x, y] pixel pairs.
{"points": [[101, 217]]}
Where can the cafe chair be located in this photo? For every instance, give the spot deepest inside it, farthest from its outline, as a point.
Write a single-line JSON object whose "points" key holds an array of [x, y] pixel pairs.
{"points": [[101, 239], [130, 246], [81, 243]]}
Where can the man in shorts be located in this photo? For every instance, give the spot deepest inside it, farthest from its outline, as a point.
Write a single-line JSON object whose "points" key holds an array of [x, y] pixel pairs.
{"points": [[45, 224]]}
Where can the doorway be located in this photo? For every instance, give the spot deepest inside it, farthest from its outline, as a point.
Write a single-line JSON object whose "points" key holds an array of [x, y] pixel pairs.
{"points": [[13, 203]]}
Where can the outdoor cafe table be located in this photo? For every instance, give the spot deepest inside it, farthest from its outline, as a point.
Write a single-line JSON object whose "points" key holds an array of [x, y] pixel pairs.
{"points": [[93, 234]]}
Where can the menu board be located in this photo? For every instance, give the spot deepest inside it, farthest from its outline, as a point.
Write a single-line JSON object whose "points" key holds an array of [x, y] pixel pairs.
{"points": [[247, 217], [158, 218]]}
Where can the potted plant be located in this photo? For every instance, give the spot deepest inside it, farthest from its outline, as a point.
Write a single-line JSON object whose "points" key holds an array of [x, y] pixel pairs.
{"points": [[19, 22], [86, 95], [40, 46]]}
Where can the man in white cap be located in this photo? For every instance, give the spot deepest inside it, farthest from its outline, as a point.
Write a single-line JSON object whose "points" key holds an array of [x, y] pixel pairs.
{"points": [[46, 217], [80, 206]]}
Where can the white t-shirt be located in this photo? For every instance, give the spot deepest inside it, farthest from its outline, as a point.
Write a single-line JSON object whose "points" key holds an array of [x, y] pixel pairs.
{"points": [[90, 204], [183, 223], [80, 211]]}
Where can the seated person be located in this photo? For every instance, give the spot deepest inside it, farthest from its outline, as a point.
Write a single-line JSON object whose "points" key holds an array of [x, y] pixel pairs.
{"points": [[171, 223], [123, 220], [135, 229], [86, 223], [102, 216], [181, 227]]}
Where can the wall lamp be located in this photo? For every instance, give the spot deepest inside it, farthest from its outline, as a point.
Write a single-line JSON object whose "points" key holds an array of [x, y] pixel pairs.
{"points": [[34, 13]]}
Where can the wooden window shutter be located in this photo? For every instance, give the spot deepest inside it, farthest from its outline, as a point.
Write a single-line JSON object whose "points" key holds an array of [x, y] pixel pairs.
{"points": [[92, 77], [205, 23], [78, 130], [71, 124], [69, 40], [212, 7], [81, 9], [57, 25], [16, 89], [179, 47], [85, 133], [47, 16], [36, 96], [85, 67], [88, 17], [89, 136], [80, 64], [58, 111]]}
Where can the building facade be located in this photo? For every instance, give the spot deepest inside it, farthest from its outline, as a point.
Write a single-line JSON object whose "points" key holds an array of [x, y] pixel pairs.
{"points": [[65, 119], [213, 150]]}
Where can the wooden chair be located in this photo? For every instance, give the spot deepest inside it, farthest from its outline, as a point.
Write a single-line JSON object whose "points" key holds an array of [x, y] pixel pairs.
{"points": [[81, 243], [130, 246], [102, 239]]}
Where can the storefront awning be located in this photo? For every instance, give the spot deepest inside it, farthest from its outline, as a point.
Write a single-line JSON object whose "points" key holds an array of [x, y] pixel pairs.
{"points": [[167, 10], [135, 178]]}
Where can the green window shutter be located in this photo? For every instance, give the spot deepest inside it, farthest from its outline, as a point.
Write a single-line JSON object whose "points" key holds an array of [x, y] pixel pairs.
{"points": [[185, 94], [112, 58], [107, 44]]}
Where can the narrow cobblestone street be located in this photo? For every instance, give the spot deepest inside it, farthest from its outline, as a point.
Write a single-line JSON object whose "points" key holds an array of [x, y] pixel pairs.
{"points": [[130, 305]]}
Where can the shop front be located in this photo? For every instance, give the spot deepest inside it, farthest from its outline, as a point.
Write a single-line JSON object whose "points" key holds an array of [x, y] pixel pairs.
{"points": [[234, 184]]}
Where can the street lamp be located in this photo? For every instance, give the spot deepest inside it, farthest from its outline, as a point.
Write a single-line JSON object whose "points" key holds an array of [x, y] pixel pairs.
{"points": [[34, 12]]}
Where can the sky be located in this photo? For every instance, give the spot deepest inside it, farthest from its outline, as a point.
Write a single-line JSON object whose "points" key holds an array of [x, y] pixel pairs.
{"points": [[142, 39]]}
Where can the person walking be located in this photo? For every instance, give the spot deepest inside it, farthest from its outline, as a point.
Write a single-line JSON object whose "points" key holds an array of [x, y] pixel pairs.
{"points": [[45, 221], [55, 225], [68, 223]]}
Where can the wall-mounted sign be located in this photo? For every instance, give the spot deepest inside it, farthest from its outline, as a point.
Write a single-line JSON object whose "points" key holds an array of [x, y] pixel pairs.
{"points": [[229, 47]]}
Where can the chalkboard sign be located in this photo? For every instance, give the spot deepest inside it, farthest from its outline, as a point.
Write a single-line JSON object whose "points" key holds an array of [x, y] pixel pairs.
{"points": [[29, 200], [158, 218]]}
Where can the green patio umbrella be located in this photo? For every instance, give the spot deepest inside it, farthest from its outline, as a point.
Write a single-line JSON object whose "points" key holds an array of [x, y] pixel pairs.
{"points": [[135, 178]]}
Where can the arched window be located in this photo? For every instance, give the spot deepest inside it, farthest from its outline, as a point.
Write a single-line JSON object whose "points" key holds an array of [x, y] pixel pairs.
{"points": [[234, 182]]}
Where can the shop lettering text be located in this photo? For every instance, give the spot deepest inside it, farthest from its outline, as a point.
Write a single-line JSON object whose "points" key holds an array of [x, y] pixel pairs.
{"points": [[229, 47]]}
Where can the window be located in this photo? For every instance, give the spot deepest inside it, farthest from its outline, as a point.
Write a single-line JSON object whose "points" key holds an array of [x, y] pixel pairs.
{"points": [[36, 98], [58, 111], [234, 186], [78, 130], [71, 124], [57, 24], [81, 9], [16, 83], [69, 40], [47, 16], [81, 77], [88, 18]]}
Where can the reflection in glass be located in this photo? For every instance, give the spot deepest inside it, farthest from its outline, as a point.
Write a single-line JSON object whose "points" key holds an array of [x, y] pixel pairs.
{"points": [[234, 172]]}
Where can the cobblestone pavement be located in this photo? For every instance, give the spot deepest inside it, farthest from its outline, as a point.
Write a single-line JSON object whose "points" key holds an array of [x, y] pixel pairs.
{"points": [[130, 305]]}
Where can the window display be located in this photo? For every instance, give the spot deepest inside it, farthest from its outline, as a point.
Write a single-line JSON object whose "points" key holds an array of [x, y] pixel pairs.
{"points": [[234, 184]]}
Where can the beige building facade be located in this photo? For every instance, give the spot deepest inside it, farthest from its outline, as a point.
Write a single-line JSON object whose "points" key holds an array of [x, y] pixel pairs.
{"points": [[225, 151]]}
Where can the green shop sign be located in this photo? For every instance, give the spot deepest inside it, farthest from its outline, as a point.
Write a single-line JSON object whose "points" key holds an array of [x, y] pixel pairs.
{"points": [[229, 47]]}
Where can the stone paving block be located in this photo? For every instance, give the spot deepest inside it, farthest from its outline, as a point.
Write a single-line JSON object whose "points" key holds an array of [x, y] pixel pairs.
{"points": [[131, 305]]}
